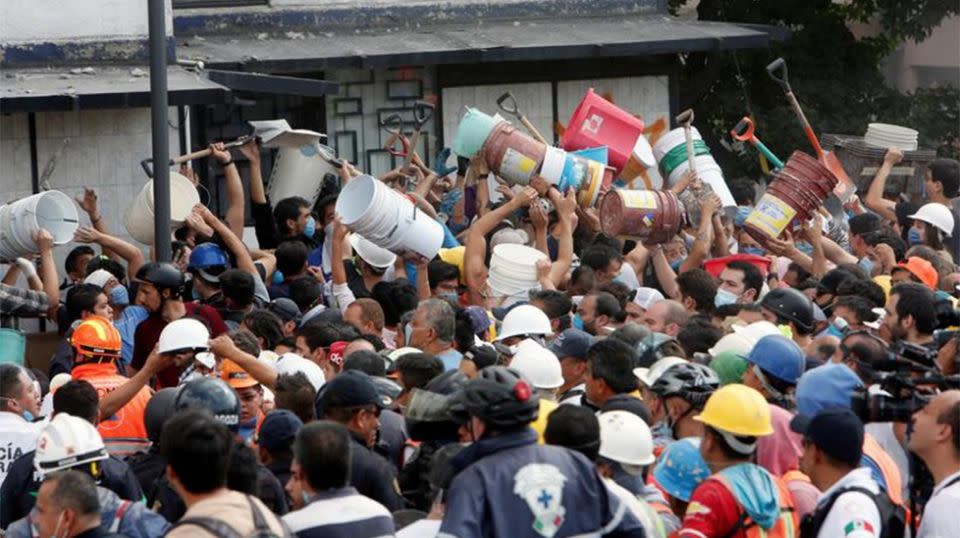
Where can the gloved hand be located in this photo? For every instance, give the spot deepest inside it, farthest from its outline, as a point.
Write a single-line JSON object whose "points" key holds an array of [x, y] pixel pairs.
{"points": [[440, 163], [26, 267]]}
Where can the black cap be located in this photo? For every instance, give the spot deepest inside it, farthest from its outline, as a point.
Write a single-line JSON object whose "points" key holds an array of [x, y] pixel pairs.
{"points": [[285, 309], [278, 430], [572, 343], [837, 432], [351, 388], [628, 403]]}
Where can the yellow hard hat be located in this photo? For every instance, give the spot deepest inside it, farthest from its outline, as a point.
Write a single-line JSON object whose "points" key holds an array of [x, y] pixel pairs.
{"points": [[454, 256], [737, 409]]}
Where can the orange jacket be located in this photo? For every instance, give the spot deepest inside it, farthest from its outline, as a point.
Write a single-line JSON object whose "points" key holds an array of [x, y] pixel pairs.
{"points": [[124, 433]]}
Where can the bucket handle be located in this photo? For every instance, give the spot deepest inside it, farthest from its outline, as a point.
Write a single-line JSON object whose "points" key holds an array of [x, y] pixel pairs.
{"points": [[508, 103], [779, 65], [422, 112]]}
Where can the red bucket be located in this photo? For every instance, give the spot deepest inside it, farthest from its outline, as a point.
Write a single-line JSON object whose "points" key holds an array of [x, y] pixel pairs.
{"points": [[513, 155], [598, 122], [652, 216], [715, 266]]}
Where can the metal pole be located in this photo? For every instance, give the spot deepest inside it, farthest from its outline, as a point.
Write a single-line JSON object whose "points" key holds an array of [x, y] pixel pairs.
{"points": [[160, 138]]}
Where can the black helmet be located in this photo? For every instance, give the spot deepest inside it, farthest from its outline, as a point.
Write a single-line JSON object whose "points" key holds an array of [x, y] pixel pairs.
{"points": [[448, 382], [159, 409], [691, 381], [215, 396], [162, 275], [500, 397], [790, 304]]}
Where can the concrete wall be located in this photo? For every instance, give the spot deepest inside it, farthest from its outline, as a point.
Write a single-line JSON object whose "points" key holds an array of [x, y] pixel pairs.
{"points": [[101, 149], [38, 21]]}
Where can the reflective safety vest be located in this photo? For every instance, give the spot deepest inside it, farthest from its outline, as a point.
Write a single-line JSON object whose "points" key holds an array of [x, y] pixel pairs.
{"points": [[787, 525], [124, 433], [889, 469]]}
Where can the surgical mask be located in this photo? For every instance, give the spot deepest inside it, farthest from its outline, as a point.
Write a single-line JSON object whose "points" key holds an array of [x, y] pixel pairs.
{"points": [[866, 264], [196, 294], [756, 251], [407, 333], [277, 277], [577, 322], [119, 296], [449, 296], [328, 230], [311, 228], [27, 415], [914, 237], [675, 264], [725, 297], [305, 497]]}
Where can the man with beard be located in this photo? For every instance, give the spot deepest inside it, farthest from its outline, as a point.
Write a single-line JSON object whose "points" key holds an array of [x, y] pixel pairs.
{"points": [[911, 315]]}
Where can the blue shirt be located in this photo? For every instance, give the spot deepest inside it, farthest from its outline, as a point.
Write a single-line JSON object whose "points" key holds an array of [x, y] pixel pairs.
{"points": [[127, 325], [451, 359]]}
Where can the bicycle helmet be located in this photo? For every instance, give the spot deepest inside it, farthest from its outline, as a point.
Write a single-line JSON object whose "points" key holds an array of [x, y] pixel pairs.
{"points": [[162, 275], [215, 396], [500, 397], [159, 409], [791, 305], [689, 381], [447, 383]]}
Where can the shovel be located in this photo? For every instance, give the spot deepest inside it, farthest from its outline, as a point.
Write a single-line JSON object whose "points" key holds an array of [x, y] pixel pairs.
{"points": [[845, 187], [422, 112], [508, 103], [743, 132], [147, 164]]}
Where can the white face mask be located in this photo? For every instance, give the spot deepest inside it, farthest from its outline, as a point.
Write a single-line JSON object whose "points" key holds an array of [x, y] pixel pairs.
{"points": [[725, 297]]}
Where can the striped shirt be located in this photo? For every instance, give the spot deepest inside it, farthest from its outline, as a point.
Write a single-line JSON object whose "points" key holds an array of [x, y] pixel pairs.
{"points": [[22, 301], [341, 513]]}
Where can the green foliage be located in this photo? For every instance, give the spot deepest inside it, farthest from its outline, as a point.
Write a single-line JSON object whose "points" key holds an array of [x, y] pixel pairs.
{"points": [[835, 75]]}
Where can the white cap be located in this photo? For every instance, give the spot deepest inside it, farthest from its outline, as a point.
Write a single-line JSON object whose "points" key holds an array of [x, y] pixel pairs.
{"points": [[649, 376], [376, 256], [625, 438], [735, 342], [646, 297], [756, 330], [291, 363], [184, 334], [938, 215], [525, 319], [538, 364], [100, 277]]}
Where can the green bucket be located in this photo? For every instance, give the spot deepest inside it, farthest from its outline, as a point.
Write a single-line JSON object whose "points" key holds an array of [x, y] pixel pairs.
{"points": [[13, 344], [472, 132]]}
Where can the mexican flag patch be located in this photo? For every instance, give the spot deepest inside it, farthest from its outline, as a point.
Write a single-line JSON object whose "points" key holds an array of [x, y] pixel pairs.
{"points": [[858, 525]]}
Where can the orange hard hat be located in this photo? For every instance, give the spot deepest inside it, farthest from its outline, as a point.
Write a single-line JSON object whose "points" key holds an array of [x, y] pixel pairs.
{"points": [[96, 336], [235, 376]]}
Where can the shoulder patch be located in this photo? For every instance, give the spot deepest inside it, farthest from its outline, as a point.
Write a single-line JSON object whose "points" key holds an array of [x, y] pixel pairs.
{"points": [[696, 508], [541, 486]]}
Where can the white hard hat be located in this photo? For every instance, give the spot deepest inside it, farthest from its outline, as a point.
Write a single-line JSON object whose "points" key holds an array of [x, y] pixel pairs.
{"points": [[182, 335], [59, 380], [67, 442], [646, 297], [756, 330], [538, 364], [206, 358], [626, 439], [523, 320], [649, 376], [736, 342], [376, 256], [938, 215], [291, 363]]}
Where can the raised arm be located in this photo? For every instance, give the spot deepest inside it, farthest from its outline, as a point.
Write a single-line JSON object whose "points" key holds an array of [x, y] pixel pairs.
{"points": [[48, 276], [224, 347], [476, 248], [89, 204], [129, 253], [875, 200], [566, 208], [233, 242], [114, 400], [235, 200]]}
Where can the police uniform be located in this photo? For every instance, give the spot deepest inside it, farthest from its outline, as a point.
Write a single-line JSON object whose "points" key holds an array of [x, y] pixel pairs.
{"points": [[19, 491], [508, 485], [852, 514], [372, 475]]}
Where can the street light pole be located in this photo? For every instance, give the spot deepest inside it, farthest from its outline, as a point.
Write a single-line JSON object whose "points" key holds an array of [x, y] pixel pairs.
{"points": [[160, 131]]}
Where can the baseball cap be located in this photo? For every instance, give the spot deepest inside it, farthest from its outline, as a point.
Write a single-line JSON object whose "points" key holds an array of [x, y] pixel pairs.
{"points": [[278, 430], [572, 343], [335, 355], [628, 403], [351, 388], [235, 376], [285, 309], [837, 432], [646, 297], [920, 268], [827, 386], [482, 355]]}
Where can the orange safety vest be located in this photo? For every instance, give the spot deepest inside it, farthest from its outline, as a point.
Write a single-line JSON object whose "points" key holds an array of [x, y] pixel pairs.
{"points": [[788, 524], [889, 469], [125, 433], [795, 474]]}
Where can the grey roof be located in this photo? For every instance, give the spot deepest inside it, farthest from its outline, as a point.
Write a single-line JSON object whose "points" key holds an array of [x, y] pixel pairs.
{"points": [[64, 88], [476, 42]]}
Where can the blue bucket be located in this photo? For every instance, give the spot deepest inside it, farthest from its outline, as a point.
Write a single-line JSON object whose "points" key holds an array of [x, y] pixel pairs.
{"points": [[472, 132]]}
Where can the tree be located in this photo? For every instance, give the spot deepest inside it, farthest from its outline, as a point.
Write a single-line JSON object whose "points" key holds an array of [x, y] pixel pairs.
{"points": [[835, 75]]}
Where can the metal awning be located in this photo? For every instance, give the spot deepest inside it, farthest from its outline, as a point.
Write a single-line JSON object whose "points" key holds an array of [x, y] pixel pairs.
{"points": [[476, 42], [60, 88]]}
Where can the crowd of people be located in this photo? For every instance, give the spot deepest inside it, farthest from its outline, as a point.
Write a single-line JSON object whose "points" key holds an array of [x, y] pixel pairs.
{"points": [[322, 386]]}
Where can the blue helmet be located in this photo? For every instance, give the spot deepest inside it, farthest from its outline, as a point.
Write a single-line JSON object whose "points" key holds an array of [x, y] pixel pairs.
{"points": [[779, 357], [209, 260], [681, 468]]}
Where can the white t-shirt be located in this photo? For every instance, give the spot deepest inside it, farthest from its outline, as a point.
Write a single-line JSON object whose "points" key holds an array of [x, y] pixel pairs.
{"points": [[853, 514], [17, 437], [940, 519]]}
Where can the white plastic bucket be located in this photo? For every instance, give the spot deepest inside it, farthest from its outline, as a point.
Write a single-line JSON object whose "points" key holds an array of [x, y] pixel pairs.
{"points": [[709, 172], [139, 217], [356, 200], [298, 172], [423, 236], [673, 139], [53, 211]]}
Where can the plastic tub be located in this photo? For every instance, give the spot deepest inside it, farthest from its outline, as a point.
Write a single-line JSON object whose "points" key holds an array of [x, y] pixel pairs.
{"points": [[50, 210], [298, 172], [598, 122]]}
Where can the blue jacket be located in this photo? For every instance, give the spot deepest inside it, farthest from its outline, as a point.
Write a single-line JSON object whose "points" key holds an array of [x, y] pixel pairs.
{"points": [[510, 486]]}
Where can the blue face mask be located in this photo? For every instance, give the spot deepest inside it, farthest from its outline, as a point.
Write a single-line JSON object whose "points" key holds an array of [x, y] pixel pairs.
{"points": [[724, 297], [311, 228], [756, 251], [305, 497], [119, 296], [675, 264], [450, 297], [277, 278], [866, 264], [577, 322], [914, 237], [28, 416], [196, 294]]}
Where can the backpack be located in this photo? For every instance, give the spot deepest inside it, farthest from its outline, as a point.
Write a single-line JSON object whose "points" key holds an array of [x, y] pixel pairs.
{"points": [[220, 529], [893, 517]]}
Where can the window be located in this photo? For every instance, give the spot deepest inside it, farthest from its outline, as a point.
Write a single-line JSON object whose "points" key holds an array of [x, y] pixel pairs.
{"points": [[181, 4]]}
